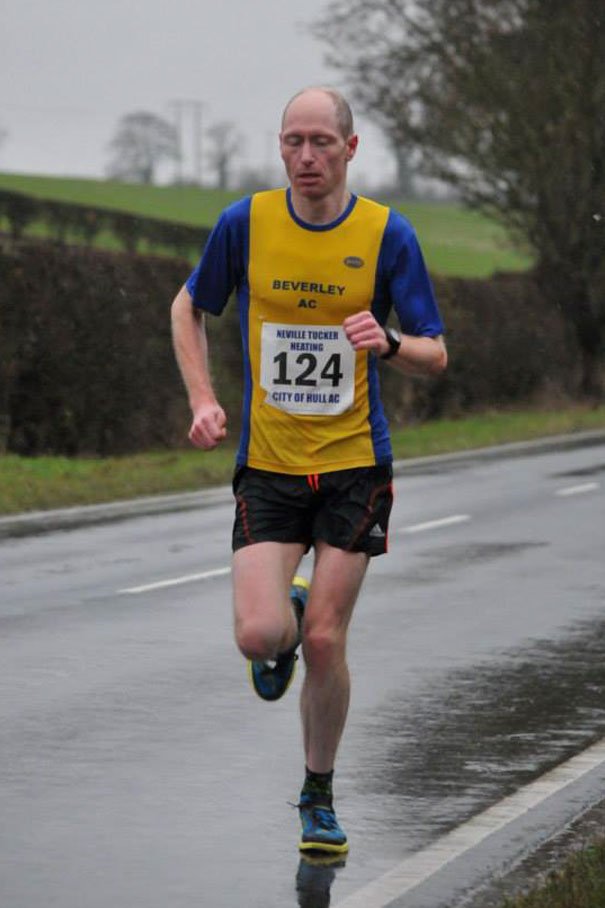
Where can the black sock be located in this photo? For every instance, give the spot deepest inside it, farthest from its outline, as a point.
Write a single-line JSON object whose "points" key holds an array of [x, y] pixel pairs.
{"points": [[318, 785]]}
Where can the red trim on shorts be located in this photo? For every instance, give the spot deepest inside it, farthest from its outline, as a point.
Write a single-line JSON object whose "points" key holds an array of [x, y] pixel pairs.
{"points": [[386, 538], [313, 481], [365, 521], [241, 503]]}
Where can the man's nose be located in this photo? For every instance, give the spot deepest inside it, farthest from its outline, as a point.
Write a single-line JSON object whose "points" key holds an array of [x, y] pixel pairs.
{"points": [[307, 153]]}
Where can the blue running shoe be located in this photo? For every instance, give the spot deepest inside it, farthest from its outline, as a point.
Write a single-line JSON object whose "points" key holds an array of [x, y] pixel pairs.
{"points": [[320, 828], [272, 679]]}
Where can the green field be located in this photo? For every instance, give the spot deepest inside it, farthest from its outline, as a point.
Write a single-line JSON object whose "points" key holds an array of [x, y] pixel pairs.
{"points": [[186, 205], [462, 243], [455, 241]]}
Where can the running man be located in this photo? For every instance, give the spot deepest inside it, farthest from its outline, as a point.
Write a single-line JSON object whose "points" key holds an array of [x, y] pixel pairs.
{"points": [[316, 271]]}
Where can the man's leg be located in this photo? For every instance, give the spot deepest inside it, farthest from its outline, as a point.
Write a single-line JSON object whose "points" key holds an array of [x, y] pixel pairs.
{"points": [[265, 625], [337, 579]]}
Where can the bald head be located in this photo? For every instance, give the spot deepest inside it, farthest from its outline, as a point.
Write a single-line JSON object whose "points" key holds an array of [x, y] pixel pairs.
{"points": [[342, 111]]}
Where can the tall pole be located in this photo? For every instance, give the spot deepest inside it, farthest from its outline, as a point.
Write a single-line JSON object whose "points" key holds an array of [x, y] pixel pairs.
{"points": [[177, 108], [196, 108]]}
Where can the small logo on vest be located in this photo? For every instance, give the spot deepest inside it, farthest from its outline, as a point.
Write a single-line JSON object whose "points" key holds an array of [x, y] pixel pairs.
{"points": [[377, 532], [353, 261]]}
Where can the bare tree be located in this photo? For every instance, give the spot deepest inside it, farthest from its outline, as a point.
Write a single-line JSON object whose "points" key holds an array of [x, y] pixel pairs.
{"points": [[504, 100], [142, 140], [404, 177], [225, 142]]}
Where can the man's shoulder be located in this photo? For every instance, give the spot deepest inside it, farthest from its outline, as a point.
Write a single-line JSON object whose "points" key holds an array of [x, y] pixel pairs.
{"points": [[236, 211], [239, 211], [397, 226], [370, 203], [269, 194]]}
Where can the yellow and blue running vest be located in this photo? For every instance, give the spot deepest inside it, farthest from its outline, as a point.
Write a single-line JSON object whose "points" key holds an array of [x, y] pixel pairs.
{"points": [[311, 403]]}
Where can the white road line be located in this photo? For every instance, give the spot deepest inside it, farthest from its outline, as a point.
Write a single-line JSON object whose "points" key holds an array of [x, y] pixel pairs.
{"points": [[177, 581], [435, 524], [578, 490], [419, 867], [219, 572]]}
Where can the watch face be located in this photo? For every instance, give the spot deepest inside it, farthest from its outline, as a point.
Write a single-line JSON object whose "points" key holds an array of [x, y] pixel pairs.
{"points": [[394, 343]]}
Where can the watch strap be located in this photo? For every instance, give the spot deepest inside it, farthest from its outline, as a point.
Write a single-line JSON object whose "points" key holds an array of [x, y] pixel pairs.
{"points": [[394, 342]]}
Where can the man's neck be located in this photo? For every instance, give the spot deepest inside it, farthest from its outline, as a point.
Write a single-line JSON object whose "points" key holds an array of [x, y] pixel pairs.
{"points": [[320, 211]]}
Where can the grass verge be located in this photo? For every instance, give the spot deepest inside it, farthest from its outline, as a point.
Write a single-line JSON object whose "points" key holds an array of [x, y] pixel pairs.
{"points": [[40, 483], [579, 883], [493, 428]]}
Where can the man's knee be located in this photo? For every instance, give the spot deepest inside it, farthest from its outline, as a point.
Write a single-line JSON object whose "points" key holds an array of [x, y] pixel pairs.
{"points": [[323, 649], [257, 639]]}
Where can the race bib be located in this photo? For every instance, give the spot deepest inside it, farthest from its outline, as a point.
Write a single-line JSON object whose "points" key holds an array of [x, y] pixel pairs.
{"points": [[307, 369]]}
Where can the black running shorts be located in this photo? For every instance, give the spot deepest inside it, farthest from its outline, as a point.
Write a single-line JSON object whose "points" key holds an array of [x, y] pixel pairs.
{"points": [[348, 509]]}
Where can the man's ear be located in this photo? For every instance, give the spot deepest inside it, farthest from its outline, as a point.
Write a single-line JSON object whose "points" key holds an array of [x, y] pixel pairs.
{"points": [[352, 143]]}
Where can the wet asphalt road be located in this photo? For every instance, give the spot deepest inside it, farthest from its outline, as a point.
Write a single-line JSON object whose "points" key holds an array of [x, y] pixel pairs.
{"points": [[138, 769]]}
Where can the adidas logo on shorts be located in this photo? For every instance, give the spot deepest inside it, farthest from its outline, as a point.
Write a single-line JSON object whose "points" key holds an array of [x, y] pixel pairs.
{"points": [[377, 532]]}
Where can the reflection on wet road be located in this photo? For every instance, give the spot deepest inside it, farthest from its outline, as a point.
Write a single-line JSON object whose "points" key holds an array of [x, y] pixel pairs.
{"points": [[481, 732], [138, 769], [314, 880]]}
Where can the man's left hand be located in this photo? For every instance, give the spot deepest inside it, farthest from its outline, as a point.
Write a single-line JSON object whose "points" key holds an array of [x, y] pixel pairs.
{"points": [[364, 333]]}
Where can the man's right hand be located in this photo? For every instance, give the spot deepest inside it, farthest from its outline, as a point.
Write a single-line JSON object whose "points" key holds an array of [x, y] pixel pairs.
{"points": [[209, 426]]}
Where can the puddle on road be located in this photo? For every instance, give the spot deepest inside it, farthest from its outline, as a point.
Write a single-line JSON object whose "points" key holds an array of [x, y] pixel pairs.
{"points": [[438, 563], [480, 733], [592, 470], [439, 468]]}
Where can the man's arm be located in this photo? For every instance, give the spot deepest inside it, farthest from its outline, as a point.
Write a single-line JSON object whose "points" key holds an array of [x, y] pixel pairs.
{"points": [[416, 355], [208, 427]]}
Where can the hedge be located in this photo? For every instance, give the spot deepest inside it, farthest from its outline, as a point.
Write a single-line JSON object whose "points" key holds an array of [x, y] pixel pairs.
{"points": [[66, 222], [87, 367]]}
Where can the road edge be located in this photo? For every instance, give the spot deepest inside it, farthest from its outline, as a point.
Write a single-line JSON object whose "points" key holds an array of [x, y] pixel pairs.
{"points": [[36, 522]]}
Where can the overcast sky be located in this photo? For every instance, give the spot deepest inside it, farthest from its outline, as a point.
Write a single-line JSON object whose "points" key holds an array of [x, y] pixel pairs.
{"points": [[70, 68]]}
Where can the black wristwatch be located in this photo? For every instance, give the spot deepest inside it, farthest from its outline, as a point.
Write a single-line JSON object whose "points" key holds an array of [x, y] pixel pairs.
{"points": [[394, 340]]}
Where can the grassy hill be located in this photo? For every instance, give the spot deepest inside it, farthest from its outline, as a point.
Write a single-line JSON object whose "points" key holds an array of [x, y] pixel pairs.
{"points": [[184, 204], [455, 241]]}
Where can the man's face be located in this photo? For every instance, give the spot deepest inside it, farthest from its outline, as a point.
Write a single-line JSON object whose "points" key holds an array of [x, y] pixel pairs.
{"points": [[313, 148]]}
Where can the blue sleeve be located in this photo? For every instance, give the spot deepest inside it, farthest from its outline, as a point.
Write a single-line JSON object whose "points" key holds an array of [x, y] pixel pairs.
{"points": [[223, 265], [402, 281]]}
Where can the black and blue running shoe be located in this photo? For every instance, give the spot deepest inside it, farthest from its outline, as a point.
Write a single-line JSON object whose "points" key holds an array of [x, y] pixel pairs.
{"points": [[321, 830], [271, 679]]}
